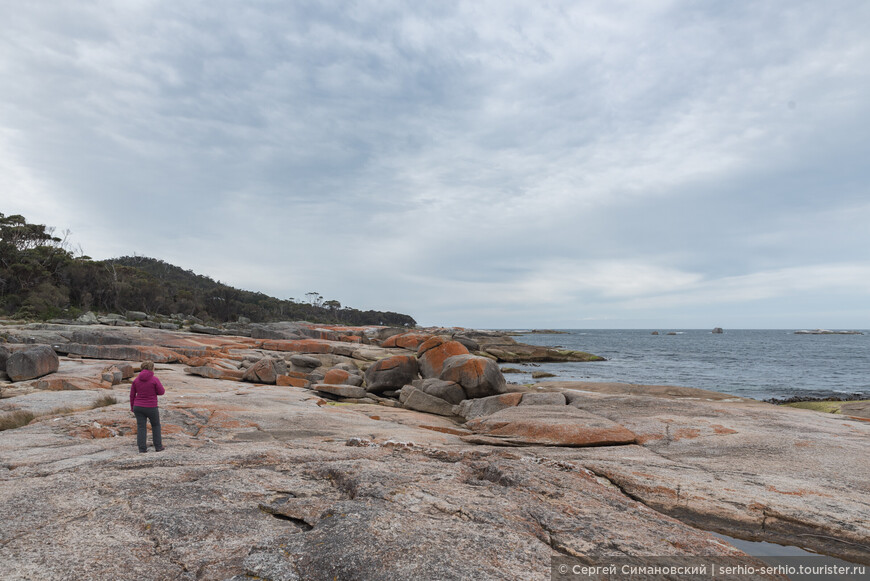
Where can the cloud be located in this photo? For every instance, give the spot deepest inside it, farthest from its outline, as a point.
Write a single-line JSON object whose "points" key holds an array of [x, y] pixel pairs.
{"points": [[606, 158]]}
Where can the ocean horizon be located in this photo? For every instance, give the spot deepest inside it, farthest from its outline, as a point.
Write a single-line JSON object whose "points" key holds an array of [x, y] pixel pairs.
{"points": [[755, 363]]}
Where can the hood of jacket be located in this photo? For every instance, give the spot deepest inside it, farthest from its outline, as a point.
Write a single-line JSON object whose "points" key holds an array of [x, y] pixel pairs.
{"points": [[145, 375]]}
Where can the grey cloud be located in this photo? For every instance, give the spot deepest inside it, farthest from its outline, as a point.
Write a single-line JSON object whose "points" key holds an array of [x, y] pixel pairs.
{"points": [[432, 156]]}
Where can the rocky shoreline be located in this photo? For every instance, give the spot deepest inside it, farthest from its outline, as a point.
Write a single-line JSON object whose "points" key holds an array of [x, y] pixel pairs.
{"points": [[298, 451]]}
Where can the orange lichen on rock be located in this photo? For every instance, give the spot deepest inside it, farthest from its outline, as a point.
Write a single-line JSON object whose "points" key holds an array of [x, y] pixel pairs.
{"points": [[686, 433], [722, 430], [335, 377], [444, 430], [298, 346], [644, 438], [434, 352], [290, 381], [406, 340], [799, 492]]}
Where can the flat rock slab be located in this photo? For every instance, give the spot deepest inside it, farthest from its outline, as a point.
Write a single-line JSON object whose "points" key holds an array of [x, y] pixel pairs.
{"points": [[857, 409], [550, 425], [276, 483], [744, 468]]}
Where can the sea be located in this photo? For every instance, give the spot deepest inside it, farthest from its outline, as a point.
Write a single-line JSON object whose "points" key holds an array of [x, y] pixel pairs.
{"points": [[759, 364]]}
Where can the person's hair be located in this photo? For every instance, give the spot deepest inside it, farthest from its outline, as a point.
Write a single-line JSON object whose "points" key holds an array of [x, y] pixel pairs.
{"points": [[149, 365]]}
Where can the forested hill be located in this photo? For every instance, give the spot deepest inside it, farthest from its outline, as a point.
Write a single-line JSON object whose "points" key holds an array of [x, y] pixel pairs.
{"points": [[41, 278]]}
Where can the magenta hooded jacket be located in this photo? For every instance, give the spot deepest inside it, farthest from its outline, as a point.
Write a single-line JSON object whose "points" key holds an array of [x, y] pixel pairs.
{"points": [[145, 389]]}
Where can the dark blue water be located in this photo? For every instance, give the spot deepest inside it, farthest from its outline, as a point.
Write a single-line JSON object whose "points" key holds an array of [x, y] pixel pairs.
{"points": [[748, 363]]}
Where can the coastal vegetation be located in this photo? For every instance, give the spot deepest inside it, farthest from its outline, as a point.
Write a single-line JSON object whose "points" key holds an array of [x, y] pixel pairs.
{"points": [[43, 277]]}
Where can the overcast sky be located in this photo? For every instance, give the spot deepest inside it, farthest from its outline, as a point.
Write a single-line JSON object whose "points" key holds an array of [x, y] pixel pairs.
{"points": [[487, 164]]}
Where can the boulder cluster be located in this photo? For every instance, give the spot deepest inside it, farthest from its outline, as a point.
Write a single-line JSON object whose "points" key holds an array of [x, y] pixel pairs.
{"points": [[429, 372], [450, 372]]}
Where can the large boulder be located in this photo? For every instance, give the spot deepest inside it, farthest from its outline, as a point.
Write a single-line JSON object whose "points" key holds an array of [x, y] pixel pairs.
{"points": [[342, 377], [406, 341], [416, 399], [205, 330], [265, 370], [121, 352], [484, 406], [478, 376], [550, 425], [544, 398], [32, 363], [449, 391], [391, 373], [4, 355], [434, 352], [347, 391], [305, 361]]}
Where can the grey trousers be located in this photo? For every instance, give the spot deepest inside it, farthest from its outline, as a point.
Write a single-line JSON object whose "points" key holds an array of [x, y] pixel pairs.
{"points": [[142, 415]]}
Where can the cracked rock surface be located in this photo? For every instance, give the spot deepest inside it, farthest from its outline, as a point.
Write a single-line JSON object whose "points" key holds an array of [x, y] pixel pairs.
{"points": [[271, 482]]}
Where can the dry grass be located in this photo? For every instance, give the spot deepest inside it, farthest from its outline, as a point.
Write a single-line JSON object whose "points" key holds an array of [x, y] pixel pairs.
{"points": [[103, 401], [16, 419]]}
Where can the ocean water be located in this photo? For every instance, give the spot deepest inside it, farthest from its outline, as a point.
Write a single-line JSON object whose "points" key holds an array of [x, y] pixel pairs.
{"points": [[760, 364]]}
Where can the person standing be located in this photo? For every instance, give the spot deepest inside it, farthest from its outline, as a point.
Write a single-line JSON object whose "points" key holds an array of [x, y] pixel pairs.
{"points": [[143, 403]]}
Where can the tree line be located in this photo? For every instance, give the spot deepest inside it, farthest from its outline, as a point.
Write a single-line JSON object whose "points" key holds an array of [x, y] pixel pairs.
{"points": [[42, 278]]}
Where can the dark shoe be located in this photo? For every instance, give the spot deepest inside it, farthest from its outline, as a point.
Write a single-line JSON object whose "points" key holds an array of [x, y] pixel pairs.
{"points": [[160, 449], [142, 451]]}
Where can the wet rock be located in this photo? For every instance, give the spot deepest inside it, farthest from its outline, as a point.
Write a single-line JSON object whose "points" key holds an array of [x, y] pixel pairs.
{"points": [[391, 373], [478, 376], [547, 425], [434, 352], [32, 363]]}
